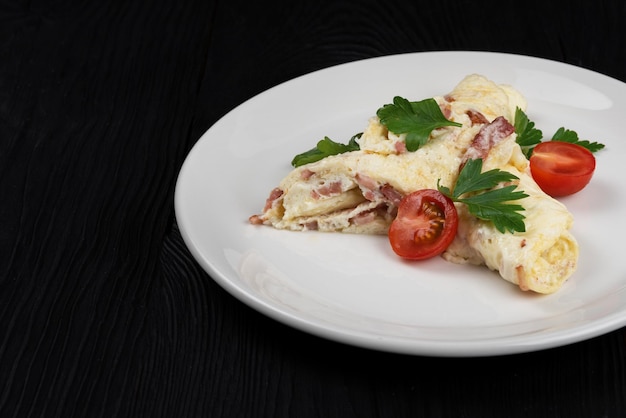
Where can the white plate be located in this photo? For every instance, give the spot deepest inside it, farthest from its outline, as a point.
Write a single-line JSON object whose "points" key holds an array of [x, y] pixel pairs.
{"points": [[353, 289]]}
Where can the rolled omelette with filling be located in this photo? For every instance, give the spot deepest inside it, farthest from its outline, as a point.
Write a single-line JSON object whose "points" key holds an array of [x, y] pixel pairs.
{"points": [[540, 259], [359, 191]]}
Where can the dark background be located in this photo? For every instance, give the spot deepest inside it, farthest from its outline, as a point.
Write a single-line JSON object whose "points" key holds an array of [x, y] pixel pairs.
{"points": [[103, 311]]}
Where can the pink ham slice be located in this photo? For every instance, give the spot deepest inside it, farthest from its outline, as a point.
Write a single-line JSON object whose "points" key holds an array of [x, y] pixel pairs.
{"points": [[488, 136]]}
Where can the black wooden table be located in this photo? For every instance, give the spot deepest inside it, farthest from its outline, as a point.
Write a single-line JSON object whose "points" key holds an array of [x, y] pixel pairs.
{"points": [[104, 312]]}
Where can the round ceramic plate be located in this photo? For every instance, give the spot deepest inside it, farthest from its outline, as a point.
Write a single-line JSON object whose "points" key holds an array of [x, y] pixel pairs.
{"points": [[352, 288]]}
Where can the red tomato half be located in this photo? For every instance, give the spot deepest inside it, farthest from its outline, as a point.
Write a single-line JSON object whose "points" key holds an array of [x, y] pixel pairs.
{"points": [[425, 225], [561, 168]]}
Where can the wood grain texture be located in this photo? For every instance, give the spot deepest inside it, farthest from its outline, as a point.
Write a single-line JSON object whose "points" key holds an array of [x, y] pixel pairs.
{"points": [[103, 311], [96, 116]]}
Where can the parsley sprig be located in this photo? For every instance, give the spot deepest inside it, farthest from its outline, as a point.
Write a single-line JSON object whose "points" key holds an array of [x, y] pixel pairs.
{"points": [[415, 119], [484, 200], [528, 136], [324, 148], [565, 135]]}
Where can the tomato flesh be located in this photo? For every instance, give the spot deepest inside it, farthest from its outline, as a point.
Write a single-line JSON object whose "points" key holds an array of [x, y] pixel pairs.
{"points": [[561, 168], [425, 226]]}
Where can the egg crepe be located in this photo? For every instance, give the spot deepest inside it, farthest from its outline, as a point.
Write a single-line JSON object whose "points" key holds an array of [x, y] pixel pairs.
{"points": [[540, 259], [359, 191]]}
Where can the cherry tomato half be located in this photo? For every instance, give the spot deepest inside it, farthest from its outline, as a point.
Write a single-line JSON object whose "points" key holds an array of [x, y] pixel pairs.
{"points": [[561, 168], [425, 226]]}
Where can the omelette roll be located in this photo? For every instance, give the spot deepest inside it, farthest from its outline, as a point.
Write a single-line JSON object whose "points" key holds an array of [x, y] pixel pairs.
{"points": [[540, 259], [359, 191]]}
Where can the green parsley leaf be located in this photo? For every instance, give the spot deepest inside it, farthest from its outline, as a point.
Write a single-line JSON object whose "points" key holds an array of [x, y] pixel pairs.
{"points": [[485, 200], [472, 180], [325, 147], [527, 135], [415, 119], [565, 135], [493, 205]]}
